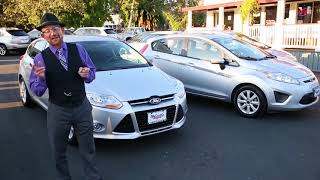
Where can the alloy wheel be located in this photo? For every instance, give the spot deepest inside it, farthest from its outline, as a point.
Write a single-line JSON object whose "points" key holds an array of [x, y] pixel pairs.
{"points": [[248, 102]]}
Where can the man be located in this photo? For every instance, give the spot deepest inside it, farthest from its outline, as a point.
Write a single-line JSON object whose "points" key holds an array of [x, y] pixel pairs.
{"points": [[62, 69]]}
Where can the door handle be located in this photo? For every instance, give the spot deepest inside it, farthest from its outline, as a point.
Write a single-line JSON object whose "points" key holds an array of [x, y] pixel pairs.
{"points": [[157, 57]]}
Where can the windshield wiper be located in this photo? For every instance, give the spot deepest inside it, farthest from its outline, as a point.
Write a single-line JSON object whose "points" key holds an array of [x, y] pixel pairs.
{"points": [[248, 58], [268, 57]]}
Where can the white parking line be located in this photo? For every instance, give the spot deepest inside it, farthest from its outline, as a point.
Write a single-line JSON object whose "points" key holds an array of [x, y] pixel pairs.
{"points": [[8, 82], [10, 105], [7, 60], [8, 88]]}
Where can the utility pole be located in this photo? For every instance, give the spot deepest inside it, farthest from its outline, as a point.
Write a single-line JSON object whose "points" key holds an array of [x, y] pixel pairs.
{"points": [[131, 14]]}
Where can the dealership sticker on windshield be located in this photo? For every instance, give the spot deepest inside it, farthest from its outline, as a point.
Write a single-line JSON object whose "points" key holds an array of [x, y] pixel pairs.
{"points": [[157, 116], [316, 91]]}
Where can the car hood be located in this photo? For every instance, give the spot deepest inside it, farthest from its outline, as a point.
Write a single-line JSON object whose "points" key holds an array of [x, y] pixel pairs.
{"points": [[133, 84], [294, 69]]}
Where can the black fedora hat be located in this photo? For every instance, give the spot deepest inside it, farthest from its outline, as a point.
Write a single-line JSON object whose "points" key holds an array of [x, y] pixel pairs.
{"points": [[49, 19]]}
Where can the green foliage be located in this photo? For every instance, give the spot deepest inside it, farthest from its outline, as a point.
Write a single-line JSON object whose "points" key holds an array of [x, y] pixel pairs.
{"points": [[248, 8], [174, 15], [74, 13], [199, 18]]}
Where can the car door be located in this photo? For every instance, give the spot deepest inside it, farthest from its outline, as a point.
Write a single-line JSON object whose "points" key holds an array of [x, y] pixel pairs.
{"points": [[204, 77], [167, 54]]}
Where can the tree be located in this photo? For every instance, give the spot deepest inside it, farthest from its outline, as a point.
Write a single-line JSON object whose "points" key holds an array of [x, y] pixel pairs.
{"points": [[146, 13], [174, 15], [248, 8]]}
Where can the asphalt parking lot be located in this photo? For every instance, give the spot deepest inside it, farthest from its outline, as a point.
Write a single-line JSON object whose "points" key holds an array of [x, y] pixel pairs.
{"points": [[214, 144]]}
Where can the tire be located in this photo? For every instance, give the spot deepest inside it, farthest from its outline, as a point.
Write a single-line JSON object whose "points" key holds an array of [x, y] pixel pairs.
{"points": [[250, 101], [72, 139], [3, 50], [24, 94]]}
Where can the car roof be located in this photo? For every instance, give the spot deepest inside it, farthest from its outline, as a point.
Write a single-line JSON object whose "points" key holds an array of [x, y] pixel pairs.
{"points": [[95, 28], [83, 38], [195, 35]]}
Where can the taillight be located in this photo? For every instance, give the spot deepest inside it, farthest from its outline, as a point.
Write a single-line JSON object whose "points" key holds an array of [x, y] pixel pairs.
{"points": [[143, 49]]}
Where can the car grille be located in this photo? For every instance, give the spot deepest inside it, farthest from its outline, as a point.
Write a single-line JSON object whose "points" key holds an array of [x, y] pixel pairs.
{"points": [[146, 100], [125, 126], [307, 99], [142, 119]]}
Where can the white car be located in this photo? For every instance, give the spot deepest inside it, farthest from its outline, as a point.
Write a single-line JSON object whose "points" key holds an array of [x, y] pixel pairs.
{"points": [[130, 97], [96, 31], [13, 39]]}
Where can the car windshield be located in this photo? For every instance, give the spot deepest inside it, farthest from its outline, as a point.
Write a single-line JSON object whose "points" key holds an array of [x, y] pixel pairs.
{"points": [[110, 31], [112, 55], [241, 49], [251, 41], [17, 33]]}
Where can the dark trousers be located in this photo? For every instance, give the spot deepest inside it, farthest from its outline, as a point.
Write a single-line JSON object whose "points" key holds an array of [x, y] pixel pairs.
{"points": [[60, 119]]}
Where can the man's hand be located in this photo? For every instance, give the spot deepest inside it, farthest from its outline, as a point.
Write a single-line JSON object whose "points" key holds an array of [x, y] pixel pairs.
{"points": [[84, 72], [39, 70]]}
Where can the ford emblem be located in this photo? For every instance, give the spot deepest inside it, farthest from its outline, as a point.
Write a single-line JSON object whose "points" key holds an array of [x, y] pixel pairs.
{"points": [[154, 101]]}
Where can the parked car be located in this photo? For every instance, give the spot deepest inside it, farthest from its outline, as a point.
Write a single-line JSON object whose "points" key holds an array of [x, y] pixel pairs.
{"points": [[130, 32], [35, 34], [96, 31], [130, 97], [13, 39], [225, 68], [139, 41]]}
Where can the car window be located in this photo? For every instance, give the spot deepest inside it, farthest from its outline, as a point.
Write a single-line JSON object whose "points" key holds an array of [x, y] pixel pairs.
{"points": [[32, 51], [169, 46], [79, 31], [112, 55], [109, 31], [200, 49], [17, 33], [241, 49]]}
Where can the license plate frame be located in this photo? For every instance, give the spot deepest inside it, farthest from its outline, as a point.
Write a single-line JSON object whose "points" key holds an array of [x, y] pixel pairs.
{"points": [[157, 116]]}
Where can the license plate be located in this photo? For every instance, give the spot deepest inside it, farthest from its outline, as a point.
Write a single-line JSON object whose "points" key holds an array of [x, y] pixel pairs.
{"points": [[157, 116], [316, 91]]}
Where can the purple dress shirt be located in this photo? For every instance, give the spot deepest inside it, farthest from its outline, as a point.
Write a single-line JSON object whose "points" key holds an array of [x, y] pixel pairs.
{"points": [[39, 85]]}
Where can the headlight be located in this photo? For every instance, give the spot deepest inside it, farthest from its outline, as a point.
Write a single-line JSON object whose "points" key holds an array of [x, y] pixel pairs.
{"points": [[105, 101], [282, 78], [181, 92]]}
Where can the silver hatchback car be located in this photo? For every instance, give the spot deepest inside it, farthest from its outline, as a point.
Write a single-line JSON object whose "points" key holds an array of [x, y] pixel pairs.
{"points": [[228, 69], [130, 97]]}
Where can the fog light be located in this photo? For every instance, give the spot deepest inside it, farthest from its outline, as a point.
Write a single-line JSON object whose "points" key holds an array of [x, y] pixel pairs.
{"points": [[98, 127]]}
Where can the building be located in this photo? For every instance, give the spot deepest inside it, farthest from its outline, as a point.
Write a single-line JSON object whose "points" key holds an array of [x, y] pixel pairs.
{"points": [[281, 24]]}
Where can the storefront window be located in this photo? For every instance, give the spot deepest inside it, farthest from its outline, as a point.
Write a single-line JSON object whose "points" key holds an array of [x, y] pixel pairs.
{"points": [[304, 13], [271, 13], [316, 12]]}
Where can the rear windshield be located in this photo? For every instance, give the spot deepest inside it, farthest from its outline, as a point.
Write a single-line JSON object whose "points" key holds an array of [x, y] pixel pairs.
{"points": [[113, 55], [110, 31], [17, 33]]}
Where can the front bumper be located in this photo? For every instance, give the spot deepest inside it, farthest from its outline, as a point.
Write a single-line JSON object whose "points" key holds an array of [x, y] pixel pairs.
{"points": [[136, 115], [299, 96]]}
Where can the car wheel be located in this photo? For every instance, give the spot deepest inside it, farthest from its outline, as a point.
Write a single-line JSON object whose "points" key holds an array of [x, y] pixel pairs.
{"points": [[72, 139], [250, 101], [3, 50], [24, 94]]}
